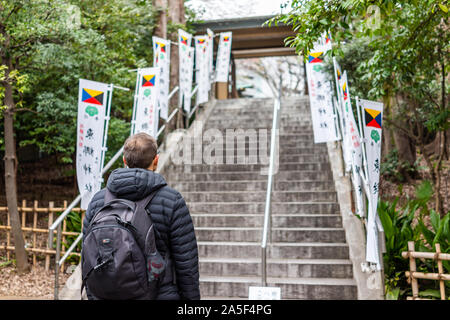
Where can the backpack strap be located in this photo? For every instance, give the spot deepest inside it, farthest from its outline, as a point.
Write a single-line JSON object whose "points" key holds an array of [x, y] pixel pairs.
{"points": [[142, 221], [143, 204]]}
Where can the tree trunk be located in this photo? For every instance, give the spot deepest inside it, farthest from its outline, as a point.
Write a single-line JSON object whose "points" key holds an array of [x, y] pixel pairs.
{"points": [[305, 78], [387, 142], [161, 27], [406, 153], [10, 181], [176, 15]]}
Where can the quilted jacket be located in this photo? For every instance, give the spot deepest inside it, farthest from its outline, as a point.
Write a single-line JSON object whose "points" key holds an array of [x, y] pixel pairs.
{"points": [[173, 222]]}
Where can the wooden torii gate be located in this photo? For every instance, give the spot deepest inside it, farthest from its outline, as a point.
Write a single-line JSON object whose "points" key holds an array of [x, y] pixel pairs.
{"points": [[251, 39]]}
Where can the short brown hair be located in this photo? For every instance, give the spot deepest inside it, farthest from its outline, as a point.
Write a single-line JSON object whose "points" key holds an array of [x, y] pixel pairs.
{"points": [[140, 150]]}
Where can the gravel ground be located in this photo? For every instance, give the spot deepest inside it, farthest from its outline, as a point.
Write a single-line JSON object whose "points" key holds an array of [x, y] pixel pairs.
{"points": [[38, 284]]}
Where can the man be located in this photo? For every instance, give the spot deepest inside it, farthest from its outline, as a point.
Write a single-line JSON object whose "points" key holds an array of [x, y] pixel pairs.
{"points": [[168, 211]]}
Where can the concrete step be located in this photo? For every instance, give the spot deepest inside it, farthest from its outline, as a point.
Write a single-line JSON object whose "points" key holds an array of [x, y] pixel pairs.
{"points": [[248, 120], [240, 196], [299, 235], [252, 167], [323, 175], [251, 185], [258, 207], [277, 220], [300, 288], [233, 249], [289, 158], [255, 123], [280, 268], [256, 143]]}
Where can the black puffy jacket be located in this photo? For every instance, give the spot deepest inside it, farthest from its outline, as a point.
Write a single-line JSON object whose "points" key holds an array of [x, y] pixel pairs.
{"points": [[171, 218]]}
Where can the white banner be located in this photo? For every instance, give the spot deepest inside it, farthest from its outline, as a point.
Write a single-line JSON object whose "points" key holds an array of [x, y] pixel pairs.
{"points": [[343, 122], [145, 111], [184, 43], [353, 139], [372, 114], [223, 57], [210, 49], [92, 121], [320, 97], [201, 68], [161, 59], [189, 68]]}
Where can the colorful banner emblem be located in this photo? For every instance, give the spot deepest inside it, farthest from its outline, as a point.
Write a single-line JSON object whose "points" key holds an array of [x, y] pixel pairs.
{"points": [[145, 110], [223, 57], [202, 68], [372, 126], [92, 123], [161, 59], [184, 43], [321, 99]]}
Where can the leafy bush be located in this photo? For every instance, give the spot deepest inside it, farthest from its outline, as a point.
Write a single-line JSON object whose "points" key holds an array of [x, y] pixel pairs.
{"points": [[409, 224]]}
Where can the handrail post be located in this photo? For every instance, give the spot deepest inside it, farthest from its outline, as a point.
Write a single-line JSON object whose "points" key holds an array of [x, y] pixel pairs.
{"points": [[57, 257], [268, 206]]}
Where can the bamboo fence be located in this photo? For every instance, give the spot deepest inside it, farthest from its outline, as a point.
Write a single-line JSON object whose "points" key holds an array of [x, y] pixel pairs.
{"points": [[37, 247], [413, 275]]}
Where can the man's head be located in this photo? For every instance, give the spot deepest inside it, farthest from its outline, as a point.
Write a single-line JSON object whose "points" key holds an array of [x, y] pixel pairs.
{"points": [[140, 151]]}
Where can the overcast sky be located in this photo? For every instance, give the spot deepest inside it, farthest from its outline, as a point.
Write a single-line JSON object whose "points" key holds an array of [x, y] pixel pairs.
{"points": [[223, 9]]}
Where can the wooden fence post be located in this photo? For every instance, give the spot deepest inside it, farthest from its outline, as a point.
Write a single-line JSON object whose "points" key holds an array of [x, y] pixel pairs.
{"points": [[8, 235], [412, 269], [440, 271], [35, 207], [51, 204]]}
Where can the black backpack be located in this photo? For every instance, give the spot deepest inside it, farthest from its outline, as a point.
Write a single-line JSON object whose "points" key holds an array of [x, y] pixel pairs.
{"points": [[119, 256]]}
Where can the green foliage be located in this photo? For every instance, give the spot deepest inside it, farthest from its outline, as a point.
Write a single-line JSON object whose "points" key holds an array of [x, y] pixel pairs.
{"points": [[403, 45], [95, 40], [408, 224]]}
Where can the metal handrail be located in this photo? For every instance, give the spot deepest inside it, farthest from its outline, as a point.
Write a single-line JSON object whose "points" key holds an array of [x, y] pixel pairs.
{"points": [[57, 224], [267, 211]]}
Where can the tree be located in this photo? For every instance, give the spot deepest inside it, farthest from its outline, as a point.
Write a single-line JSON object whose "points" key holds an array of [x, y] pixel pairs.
{"points": [[407, 68]]}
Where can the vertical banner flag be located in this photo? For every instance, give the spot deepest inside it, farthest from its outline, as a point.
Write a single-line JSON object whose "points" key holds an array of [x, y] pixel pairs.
{"points": [[343, 124], [161, 59], [353, 139], [201, 68], [223, 57], [184, 42], [189, 67], [372, 114], [92, 122], [145, 111], [210, 46], [320, 97]]}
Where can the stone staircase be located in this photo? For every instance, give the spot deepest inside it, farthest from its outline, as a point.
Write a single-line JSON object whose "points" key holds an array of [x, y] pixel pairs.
{"points": [[307, 252]]}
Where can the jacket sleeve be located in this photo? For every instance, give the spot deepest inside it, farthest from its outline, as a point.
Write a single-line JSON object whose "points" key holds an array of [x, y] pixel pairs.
{"points": [[184, 251]]}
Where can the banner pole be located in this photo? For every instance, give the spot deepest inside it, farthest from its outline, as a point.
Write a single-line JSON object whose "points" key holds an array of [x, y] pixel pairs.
{"points": [[136, 94], [105, 132], [363, 144]]}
